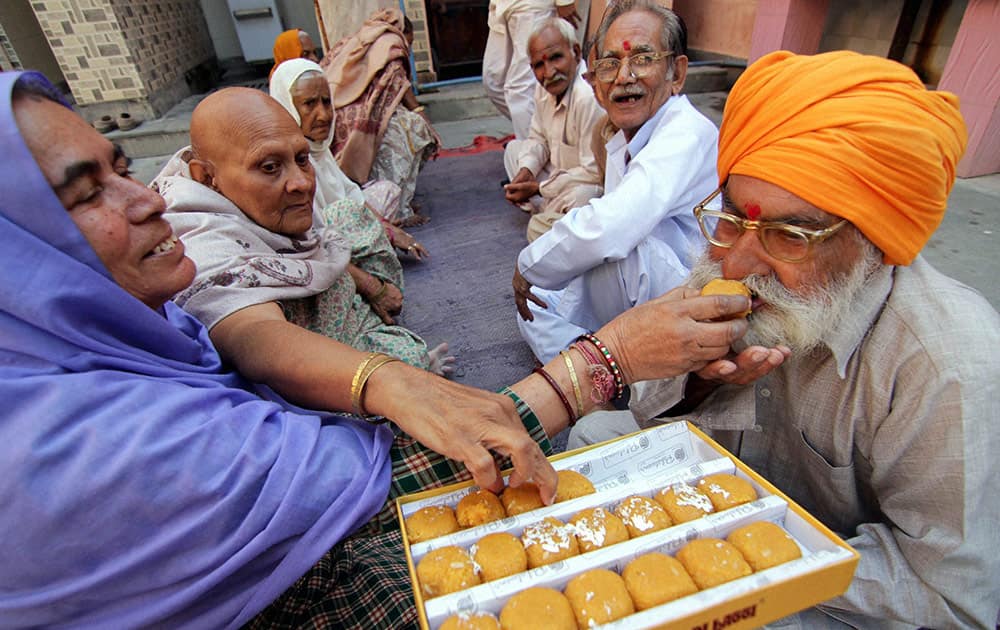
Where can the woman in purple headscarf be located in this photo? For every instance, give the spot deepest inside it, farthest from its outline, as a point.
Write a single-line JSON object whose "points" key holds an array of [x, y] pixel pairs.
{"points": [[142, 482]]}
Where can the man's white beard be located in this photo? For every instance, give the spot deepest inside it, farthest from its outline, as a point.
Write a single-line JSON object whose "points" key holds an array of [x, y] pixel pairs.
{"points": [[801, 321]]}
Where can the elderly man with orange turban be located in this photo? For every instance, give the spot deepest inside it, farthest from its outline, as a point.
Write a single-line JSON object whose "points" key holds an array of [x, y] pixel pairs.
{"points": [[868, 385]]}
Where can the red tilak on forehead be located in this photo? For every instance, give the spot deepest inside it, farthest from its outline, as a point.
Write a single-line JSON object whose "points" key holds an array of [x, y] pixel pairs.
{"points": [[626, 45], [753, 211]]}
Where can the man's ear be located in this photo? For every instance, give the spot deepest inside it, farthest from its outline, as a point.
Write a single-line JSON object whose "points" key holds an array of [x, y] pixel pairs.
{"points": [[577, 52], [680, 74], [203, 172]]}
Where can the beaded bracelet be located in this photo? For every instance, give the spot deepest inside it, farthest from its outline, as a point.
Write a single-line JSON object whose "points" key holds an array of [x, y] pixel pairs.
{"points": [[609, 360], [602, 383], [568, 360], [562, 397]]}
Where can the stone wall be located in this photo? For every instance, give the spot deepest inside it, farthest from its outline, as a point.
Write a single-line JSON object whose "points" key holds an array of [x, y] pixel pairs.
{"points": [[8, 56], [138, 52], [23, 44]]}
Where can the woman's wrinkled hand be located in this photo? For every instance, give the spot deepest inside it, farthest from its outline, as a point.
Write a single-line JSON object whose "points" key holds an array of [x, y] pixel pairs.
{"points": [[674, 334], [388, 304], [404, 241], [462, 423]]}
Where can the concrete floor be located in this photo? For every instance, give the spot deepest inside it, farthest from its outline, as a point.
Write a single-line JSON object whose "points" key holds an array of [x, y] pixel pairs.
{"points": [[966, 246]]}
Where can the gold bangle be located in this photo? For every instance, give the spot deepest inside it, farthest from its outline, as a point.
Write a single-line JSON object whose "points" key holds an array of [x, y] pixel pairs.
{"points": [[576, 384], [357, 384], [418, 109], [378, 361], [378, 294]]}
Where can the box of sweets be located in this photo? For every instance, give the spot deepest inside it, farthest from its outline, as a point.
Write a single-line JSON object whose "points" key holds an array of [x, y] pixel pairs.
{"points": [[643, 464]]}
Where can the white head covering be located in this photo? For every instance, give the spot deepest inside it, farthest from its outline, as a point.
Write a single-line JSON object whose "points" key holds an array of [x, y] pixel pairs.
{"points": [[331, 183]]}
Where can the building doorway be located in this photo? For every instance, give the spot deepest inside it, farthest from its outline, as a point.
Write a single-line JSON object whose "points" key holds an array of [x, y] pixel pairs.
{"points": [[458, 32]]}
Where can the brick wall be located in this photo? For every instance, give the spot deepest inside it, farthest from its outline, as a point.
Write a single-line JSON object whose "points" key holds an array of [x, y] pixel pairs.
{"points": [[165, 38], [119, 50], [416, 11], [91, 50], [8, 56]]}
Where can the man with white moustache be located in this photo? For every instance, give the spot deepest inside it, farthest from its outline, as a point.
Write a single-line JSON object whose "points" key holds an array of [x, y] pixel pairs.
{"points": [[866, 388], [554, 170], [635, 242], [506, 74]]}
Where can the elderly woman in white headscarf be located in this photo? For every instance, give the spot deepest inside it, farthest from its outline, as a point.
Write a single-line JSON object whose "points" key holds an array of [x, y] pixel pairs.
{"points": [[301, 88]]}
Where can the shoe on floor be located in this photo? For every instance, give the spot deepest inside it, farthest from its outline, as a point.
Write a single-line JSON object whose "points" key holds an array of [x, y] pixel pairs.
{"points": [[104, 124], [126, 121]]}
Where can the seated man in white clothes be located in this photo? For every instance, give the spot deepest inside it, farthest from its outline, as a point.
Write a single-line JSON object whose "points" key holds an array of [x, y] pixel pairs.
{"points": [[868, 385], [506, 72], [554, 170], [633, 243]]}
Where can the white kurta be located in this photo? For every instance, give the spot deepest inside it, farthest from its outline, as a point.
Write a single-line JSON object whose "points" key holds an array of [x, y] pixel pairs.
{"points": [[507, 76], [634, 243], [558, 152]]}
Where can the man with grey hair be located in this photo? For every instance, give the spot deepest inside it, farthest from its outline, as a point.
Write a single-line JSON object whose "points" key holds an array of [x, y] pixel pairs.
{"points": [[554, 170], [633, 243], [506, 73]]}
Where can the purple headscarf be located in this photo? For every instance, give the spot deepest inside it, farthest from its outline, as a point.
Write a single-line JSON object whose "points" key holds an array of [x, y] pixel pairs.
{"points": [[141, 482]]}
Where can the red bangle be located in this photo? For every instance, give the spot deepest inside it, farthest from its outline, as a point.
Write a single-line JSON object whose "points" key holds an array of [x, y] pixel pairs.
{"points": [[562, 396]]}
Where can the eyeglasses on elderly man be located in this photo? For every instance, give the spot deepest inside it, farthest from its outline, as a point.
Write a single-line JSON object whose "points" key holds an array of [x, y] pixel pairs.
{"points": [[640, 65], [782, 240]]}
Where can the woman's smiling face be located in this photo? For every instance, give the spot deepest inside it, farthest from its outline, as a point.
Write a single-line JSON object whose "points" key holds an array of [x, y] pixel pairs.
{"points": [[120, 217]]}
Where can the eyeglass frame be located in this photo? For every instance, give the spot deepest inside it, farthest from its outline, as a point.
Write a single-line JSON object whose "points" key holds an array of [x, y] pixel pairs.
{"points": [[657, 56], [811, 236]]}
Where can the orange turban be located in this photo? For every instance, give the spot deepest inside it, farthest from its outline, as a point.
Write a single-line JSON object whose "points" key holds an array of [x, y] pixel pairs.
{"points": [[286, 46], [854, 135]]}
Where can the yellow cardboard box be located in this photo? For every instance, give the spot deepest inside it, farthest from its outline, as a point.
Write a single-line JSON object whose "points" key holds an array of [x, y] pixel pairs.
{"points": [[642, 463]]}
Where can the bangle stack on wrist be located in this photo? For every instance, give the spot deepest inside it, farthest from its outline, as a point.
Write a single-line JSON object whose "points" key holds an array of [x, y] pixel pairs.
{"points": [[366, 368]]}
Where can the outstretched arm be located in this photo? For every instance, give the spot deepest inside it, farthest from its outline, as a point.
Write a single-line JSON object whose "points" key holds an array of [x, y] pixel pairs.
{"points": [[662, 338], [314, 371]]}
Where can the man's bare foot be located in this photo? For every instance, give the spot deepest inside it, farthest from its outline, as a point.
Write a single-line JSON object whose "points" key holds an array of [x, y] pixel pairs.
{"points": [[442, 363]]}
